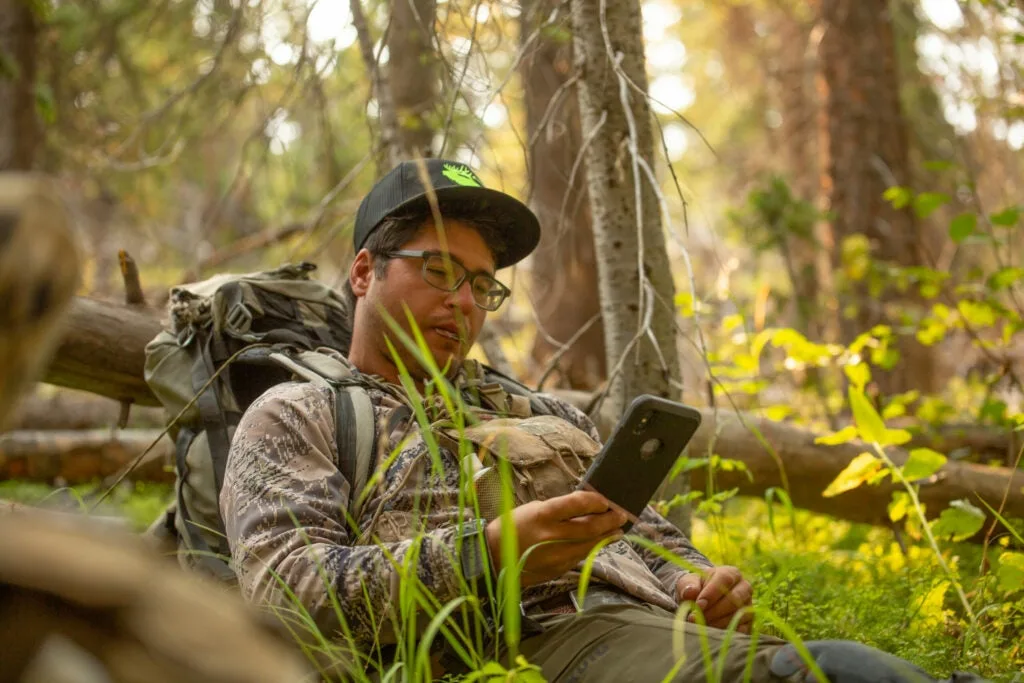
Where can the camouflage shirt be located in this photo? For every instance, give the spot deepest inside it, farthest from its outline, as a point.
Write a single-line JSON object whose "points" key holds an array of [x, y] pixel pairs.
{"points": [[284, 502]]}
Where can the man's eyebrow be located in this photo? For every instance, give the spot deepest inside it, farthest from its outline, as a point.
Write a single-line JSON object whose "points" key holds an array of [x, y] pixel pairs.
{"points": [[456, 259]]}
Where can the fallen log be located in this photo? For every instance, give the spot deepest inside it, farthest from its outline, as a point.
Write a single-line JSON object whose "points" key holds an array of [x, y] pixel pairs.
{"points": [[76, 457], [103, 350], [103, 353], [811, 467], [75, 410]]}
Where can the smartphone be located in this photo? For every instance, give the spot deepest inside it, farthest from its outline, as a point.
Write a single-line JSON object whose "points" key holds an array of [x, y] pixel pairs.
{"points": [[640, 453]]}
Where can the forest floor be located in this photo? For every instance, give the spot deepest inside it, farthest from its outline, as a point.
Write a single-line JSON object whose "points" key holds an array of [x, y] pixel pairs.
{"points": [[824, 578]]}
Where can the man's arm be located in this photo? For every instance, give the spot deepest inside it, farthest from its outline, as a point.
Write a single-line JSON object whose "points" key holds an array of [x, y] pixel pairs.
{"points": [[652, 525], [284, 503]]}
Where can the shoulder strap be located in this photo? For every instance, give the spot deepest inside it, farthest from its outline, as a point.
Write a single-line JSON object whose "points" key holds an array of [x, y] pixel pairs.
{"points": [[515, 388], [354, 431]]}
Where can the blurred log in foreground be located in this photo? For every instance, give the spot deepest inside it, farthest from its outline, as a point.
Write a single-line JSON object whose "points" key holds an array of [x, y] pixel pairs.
{"points": [[79, 602], [76, 457], [113, 336]]}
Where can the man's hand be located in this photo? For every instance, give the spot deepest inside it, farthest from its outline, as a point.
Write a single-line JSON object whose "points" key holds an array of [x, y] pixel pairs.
{"points": [[719, 592], [568, 527]]}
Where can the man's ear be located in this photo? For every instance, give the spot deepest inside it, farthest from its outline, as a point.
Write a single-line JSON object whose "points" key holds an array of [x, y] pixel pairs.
{"points": [[361, 273]]}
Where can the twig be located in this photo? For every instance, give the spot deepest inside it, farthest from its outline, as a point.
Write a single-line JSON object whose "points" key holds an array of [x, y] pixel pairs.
{"points": [[557, 356], [385, 106], [133, 295], [458, 85]]}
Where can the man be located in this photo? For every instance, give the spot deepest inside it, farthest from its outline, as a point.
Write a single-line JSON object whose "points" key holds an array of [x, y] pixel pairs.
{"points": [[428, 239]]}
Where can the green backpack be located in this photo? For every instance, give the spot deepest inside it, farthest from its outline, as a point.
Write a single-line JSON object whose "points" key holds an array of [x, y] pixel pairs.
{"points": [[228, 340]]}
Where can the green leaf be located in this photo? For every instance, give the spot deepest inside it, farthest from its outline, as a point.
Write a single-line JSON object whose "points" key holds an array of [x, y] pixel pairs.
{"points": [[844, 435], [860, 469], [859, 374], [922, 463], [899, 506], [1011, 571], [926, 203], [1007, 218], [869, 423], [898, 196], [962, 227], [959, 521], [1005, 278], [45, 103]]}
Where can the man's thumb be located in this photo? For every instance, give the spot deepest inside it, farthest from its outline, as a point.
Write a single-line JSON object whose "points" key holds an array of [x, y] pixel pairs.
{"points": [[689, 586]]}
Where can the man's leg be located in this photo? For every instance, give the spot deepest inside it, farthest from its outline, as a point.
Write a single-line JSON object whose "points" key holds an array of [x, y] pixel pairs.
{"points": [[645, 643]]}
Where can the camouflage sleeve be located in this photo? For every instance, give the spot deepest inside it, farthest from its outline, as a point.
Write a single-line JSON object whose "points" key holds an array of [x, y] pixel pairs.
{"points": [[656, 528], [652, 525], [284, 504]]}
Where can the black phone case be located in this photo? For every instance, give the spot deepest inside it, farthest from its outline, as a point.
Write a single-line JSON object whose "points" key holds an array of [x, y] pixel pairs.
{"points": [[641, 451]]}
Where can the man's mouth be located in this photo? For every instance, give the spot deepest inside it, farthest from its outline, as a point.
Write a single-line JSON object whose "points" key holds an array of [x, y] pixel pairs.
{"points": [[448, 333]]}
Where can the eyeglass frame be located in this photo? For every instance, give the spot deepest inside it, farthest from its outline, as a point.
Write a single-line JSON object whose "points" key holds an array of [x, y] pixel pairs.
{"points": [[468, 275]]}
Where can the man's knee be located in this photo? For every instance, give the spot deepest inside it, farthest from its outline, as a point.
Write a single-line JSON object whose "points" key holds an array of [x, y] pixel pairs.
{"points": [[844, 661]]}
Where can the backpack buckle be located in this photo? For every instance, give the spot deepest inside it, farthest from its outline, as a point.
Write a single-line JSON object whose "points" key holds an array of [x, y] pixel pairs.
{"points": [[186, 335], [238, 320]]}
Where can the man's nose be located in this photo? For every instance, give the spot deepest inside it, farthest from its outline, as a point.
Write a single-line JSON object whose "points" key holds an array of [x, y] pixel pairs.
{"points": [[462, 297]]}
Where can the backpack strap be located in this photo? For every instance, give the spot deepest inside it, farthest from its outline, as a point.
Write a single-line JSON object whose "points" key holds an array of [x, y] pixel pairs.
{"points": [[354, 431], [515, 389], [202, 555]]}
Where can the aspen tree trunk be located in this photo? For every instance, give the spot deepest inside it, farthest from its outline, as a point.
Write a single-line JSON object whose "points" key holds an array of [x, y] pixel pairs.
{"points": [[635, 283], [413, 77]]}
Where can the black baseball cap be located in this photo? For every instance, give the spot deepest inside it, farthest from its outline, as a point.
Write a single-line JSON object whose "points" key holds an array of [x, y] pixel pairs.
{"points": [[459, 193]]}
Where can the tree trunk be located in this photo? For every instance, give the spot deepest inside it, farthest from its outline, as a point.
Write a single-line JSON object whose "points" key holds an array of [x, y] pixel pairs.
{"points": [[564, 266], [20, 134], [637, 292], [412, 75], [636, 285], [867, 153]]}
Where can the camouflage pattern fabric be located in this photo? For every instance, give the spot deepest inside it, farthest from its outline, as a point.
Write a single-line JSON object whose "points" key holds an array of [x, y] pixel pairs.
{"points": [[284, 498]]}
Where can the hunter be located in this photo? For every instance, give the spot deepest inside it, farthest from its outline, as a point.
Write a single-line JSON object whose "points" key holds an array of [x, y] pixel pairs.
{"points": [[429, 238]]}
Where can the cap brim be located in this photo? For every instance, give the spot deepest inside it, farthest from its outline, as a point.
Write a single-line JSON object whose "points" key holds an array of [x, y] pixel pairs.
{"points": [[517, 224]]}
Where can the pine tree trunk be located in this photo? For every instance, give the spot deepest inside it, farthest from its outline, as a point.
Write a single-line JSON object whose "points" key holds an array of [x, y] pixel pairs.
{"points": [[412, 74], [636, 287], [19, 125], [867, 153], [564, 270]]}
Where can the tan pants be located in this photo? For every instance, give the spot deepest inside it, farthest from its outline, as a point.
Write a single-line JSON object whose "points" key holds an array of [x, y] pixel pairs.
{"points": [[645, 643]]}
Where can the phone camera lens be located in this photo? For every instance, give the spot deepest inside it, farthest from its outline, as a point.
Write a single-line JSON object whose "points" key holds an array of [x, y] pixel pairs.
{"points": [[649, 448]]}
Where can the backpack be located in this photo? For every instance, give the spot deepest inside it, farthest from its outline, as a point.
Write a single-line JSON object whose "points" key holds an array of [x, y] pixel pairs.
{"points": [[229, 339]]}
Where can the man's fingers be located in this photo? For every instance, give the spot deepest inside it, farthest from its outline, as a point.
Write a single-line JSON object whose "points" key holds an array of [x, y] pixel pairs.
{"points": [[688, 587], [719, 583], [739, 596], [590, 526], [576, 504]]}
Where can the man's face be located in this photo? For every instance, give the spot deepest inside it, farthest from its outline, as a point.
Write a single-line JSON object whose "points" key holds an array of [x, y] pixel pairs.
{"points": [[448, 321]]}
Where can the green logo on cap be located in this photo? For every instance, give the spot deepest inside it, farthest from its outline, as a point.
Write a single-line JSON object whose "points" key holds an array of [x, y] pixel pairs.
{"points": [[460, 175]]}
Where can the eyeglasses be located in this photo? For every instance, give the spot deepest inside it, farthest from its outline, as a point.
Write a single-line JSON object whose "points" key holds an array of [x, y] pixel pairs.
{"points": [[447, 274]]}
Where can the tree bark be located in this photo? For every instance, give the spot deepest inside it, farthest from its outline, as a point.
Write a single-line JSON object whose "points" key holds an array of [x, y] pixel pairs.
{"points": [[413, 75], [564, 266], [868, 152], [68, 457], [20, 134]]}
